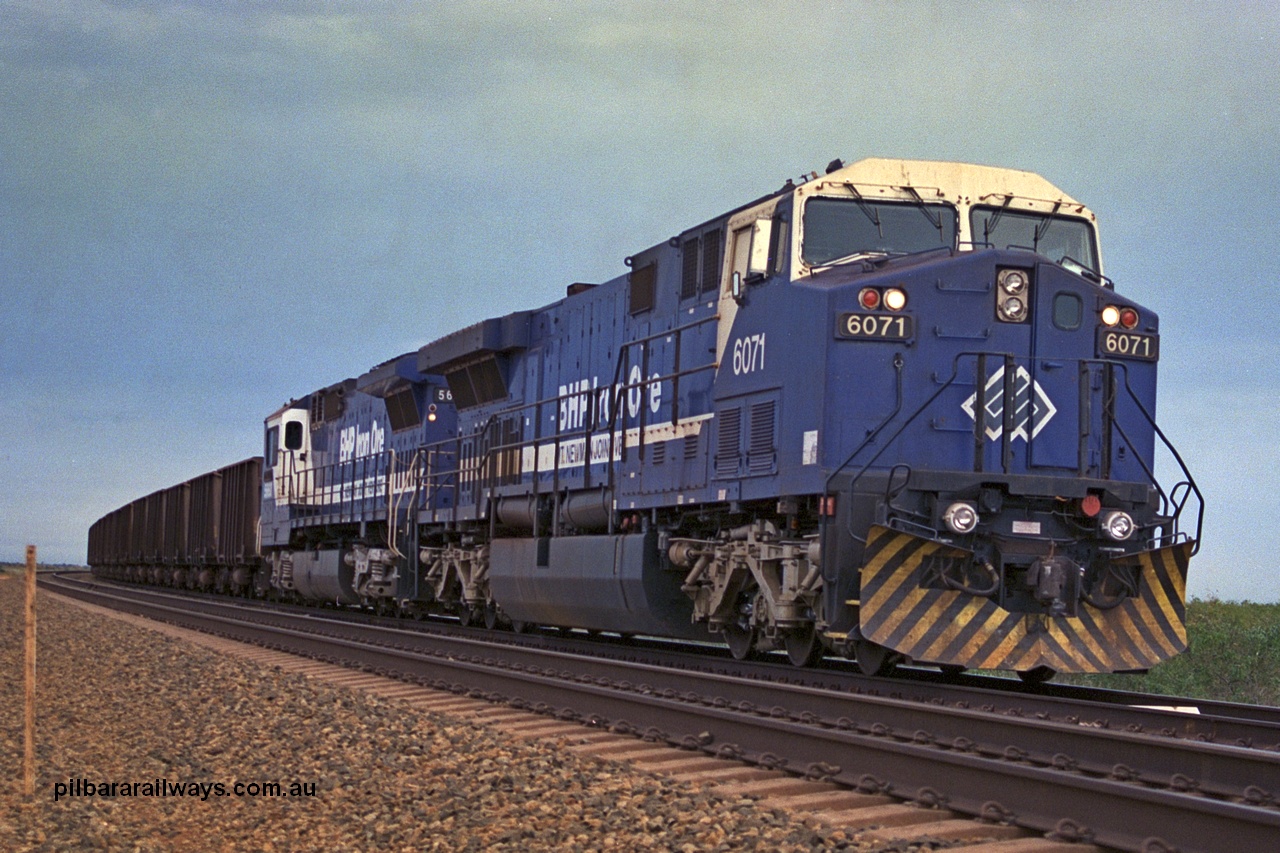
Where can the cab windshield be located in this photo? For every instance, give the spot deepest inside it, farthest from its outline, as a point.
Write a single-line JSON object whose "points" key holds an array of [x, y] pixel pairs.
{"points": [[836, 228], [1055, 237]]}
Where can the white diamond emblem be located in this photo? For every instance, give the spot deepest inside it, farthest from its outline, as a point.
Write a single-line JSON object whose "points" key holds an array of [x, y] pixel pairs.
{"points": [[1031, 405]]}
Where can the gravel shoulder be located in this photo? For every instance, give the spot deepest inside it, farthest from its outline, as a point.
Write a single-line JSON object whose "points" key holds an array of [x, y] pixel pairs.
{"points": [[121, 704]]}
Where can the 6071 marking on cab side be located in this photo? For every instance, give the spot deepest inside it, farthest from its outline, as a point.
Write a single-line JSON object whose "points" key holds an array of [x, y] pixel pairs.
{"points": [[875, 327], [1113, 343], [748, 354]]}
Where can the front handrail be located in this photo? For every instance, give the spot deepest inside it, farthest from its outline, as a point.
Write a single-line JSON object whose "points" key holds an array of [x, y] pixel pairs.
{"points": [[1189, 482]]}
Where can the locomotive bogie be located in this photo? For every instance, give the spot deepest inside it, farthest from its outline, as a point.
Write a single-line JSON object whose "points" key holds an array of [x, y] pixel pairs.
{"points": [[457, 576], [752, 580]]}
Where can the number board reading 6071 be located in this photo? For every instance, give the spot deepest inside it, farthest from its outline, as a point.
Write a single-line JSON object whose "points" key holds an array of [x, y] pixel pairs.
{"points": [[875, 327], [1118, 344]]}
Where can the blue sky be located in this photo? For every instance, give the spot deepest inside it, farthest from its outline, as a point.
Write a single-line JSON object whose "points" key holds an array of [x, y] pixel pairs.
{"points": [[208, 208]]}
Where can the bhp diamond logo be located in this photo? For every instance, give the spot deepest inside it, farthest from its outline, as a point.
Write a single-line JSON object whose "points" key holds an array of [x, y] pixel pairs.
{"points": [[1032, 406]]}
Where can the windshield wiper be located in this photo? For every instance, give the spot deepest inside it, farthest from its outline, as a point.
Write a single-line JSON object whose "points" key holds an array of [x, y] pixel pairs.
{"points": [[870, 212], [859, 255], [1044, 226], [1072, 265], [989, 224], [934, 219]]}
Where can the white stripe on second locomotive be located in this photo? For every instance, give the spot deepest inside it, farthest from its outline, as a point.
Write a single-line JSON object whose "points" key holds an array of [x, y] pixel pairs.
{"points": [[573, 451]]}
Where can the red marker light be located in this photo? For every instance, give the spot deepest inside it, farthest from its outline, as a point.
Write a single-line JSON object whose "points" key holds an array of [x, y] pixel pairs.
{"points": [[1090, 505], [1128, 318], [869, 298]]}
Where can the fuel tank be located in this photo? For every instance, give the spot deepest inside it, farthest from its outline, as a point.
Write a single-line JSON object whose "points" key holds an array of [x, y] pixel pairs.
{"points": [[607, 583]]}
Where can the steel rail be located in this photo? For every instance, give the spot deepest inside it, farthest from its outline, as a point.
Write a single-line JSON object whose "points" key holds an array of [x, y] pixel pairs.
{"points": [[1257, 714]]}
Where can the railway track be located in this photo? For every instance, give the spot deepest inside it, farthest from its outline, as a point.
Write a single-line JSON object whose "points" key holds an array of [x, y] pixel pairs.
{"points": [[1125, 777]]}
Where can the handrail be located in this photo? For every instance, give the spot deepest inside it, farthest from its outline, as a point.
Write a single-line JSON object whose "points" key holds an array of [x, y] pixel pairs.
{"points": [[1190, 481], [481, 465]]}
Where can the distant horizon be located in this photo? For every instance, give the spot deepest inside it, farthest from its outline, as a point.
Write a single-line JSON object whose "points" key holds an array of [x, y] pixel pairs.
{"points": [[43, 565]]}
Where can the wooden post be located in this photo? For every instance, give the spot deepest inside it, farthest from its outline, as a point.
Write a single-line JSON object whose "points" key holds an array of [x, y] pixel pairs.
{"points": [[29, 743]]}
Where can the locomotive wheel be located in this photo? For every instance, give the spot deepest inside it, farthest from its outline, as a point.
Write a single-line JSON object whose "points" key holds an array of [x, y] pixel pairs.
{"points": [[521, 627], [874, 659], [466, 616], [1038, 675], [490, 615], [739, 640], [804, 646]]}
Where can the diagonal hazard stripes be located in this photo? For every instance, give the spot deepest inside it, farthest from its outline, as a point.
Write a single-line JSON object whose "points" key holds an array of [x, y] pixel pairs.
{"points": [[950, 627]]}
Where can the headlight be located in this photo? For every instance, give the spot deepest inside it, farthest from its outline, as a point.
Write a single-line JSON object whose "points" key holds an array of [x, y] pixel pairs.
{"points": [[961, 517], [1110, 315], [1118, 525], [1013, 310], [1012, 289], [895, 299], [1013, 281]]}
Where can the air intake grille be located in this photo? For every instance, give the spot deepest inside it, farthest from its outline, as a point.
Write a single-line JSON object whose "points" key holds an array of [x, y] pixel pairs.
{"points": [[643, 281], [729, 443], [711, 261], [689, 269], [761, 455]]}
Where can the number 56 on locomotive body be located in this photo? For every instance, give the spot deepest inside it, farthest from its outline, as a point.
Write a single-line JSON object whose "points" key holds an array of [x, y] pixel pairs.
{"points": [[894, 412]]}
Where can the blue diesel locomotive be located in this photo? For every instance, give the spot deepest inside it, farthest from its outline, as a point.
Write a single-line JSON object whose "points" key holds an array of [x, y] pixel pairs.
{"points": [[892, 412]]}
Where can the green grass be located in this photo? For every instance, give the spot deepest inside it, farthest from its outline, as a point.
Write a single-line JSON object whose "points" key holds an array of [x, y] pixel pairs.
{"points": [[1233, 655]]}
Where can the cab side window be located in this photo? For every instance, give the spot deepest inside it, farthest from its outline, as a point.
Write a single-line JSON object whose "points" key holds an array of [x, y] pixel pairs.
{"points": [[271, 452], [293, 435]]}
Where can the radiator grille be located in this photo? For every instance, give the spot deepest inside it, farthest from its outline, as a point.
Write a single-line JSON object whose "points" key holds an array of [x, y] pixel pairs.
{"points": [[729, 442], [711, 261], [761, 453], [689, 269]]}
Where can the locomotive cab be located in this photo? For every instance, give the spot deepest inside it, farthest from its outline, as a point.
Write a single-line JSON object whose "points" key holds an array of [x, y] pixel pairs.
{"points": [[286, 454], [988, 429]]}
